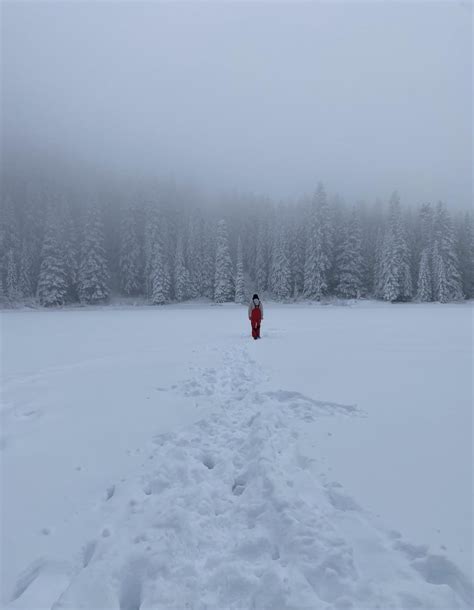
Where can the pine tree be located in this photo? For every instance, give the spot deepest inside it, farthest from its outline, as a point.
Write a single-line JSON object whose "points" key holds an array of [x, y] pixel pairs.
{"points": [[194, 255], [30, 242], [424, 245], [33, 232], [223, 285], [181, 273], [130, 255], [425, 279], [53, 278], [13, 292], [151, 238], [239, 276], [447, 279], [350, 264], [261, 257], [160, 280], [316, 264], [71, 250], [280, 279], [93, 284], [371, 220], [465, 241], [440, 283], [297, 249], [319, 247], [378, 264], [208, 261], [340, 233], [25, 281], [396, 284], [426, 227], [9, 249], [327, 237]]}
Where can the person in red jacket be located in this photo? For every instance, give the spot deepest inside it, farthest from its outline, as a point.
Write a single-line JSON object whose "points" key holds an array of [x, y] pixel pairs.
{"points": [[255, 315]]}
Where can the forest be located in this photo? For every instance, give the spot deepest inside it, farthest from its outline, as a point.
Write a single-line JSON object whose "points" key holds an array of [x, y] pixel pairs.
{"points": [[173, 246]]}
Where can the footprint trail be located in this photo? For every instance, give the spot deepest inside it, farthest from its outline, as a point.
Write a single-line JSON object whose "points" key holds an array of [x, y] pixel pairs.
{"points": [[229, 513]]}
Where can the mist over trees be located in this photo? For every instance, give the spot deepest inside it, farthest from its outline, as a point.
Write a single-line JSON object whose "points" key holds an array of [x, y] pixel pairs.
{"points": [[56, 250]]}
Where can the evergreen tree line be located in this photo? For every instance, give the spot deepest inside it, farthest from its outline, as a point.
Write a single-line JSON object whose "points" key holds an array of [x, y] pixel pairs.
{"points": [[59, 252]]}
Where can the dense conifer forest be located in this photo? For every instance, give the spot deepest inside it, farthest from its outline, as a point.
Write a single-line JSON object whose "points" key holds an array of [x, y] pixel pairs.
{"points": [[57, 249]]}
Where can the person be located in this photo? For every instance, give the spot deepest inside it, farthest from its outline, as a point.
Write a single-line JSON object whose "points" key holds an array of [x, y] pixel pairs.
{"points": [[255, 315]]}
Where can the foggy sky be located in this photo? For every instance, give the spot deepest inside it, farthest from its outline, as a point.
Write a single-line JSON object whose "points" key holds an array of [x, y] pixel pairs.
{"points": [[262, 97]]}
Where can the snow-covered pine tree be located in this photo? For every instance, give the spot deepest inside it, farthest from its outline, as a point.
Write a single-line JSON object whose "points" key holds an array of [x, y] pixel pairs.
{"points": [[350, 264], [319, 247], [280, 277], [315, 262], [425, 271], [297, 250], [13, 292], [412, 241], [312, 274], [465, 241], [247, 230], [10, 244], [327, 236], [157, 267], [181, 273], [378, 264], [446, 276], [160, 280], [337, 223], [194, 254], [239, 275], [53, 277], [3, 253], [426, 228], [71, 246], [440, 281], [224, 284], [130, 254], [425, 280], [208, 261], [396, 284], [93, 279], [261, 255], [151, 238], [25, 281], [33, 230], [30, 248], [371, 224]]}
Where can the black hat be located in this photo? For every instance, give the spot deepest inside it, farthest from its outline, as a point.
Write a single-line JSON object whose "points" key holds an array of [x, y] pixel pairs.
{"points": [[255, 296]]}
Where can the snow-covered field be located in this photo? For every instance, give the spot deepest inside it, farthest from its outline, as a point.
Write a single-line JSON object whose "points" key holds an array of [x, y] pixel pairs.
{"points": [[158, 458]]}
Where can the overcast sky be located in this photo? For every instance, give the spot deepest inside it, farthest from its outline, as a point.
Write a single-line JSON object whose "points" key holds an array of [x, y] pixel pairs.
{"points": [[262, 97]]}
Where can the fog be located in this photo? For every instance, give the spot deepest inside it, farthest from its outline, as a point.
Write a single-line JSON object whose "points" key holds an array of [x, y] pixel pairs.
{"points": [[260, 97]]}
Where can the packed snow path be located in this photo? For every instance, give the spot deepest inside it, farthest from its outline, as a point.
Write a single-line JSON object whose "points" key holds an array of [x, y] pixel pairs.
{"points": [[229, 513]]}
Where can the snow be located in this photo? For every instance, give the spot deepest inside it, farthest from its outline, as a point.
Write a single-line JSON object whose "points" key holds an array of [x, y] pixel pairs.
{"points": [[158, 457]]}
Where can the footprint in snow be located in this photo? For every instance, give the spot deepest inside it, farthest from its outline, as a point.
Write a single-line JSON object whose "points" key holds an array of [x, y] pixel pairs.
{"points": [[88, 553], [438, 570], [131, 585], [28, 576], [208, 462], [238, 487], [109, 493], [308, 407]]}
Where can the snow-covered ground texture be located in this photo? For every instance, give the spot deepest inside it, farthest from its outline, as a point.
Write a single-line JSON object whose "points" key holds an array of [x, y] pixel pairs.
{"points": [[160, 458]]}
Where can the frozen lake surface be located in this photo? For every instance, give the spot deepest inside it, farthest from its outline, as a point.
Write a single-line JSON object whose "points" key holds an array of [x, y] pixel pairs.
{"points": [[158, 457]]}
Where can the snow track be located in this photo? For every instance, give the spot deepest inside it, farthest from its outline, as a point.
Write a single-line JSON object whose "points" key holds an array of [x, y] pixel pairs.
{"points": [[229, 513]]}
